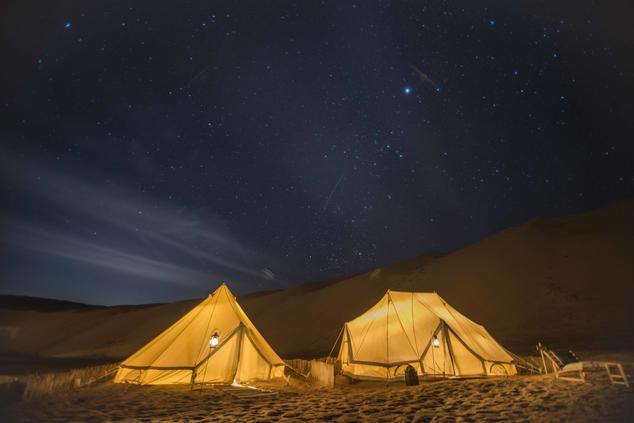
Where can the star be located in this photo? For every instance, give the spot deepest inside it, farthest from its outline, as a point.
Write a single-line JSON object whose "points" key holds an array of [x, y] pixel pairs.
{"points": [[256, 130]]}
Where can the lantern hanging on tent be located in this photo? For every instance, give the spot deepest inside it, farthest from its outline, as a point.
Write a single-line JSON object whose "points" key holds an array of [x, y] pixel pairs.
{"points": [[214, 340], [436, 342]]}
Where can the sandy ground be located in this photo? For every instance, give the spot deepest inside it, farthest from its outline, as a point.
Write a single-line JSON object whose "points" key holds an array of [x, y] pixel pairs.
{"points": [[522, 398]]}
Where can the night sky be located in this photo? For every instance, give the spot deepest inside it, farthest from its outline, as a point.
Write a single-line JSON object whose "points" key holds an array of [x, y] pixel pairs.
{"points": [[151, 149]]}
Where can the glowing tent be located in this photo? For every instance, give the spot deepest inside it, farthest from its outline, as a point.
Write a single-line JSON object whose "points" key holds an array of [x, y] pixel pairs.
{"points": [[422, 330], [214, 343]]}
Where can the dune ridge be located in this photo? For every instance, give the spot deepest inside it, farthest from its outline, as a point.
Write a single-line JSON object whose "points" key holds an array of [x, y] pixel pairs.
{"points": [[567, 281]]}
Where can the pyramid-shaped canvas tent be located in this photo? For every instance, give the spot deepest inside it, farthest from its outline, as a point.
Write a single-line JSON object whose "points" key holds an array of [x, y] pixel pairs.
{"points": [[214, 343], [422, 330]]}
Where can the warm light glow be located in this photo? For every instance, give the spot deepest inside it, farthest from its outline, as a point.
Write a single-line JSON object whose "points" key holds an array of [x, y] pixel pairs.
{"points": [[215, 339], [436, 342]]}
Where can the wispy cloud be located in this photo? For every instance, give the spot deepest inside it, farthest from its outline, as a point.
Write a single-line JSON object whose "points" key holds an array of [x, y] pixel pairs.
{"points": [[107, 224], [38, 239]]}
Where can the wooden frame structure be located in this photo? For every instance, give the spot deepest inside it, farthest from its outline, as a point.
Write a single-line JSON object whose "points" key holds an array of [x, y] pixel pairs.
{"points": [[551, 363]]}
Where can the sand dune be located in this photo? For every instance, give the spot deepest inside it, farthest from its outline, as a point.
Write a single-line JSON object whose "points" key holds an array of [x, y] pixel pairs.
{"points": [[566, 281]]}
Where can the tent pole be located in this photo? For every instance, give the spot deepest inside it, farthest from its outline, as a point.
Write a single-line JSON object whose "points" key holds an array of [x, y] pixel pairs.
{"points": [[335, 344], [414, 328], [240, 342]]}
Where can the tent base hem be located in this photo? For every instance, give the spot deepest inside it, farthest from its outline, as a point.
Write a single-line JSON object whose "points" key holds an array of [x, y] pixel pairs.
{"points": [[423, 377]]}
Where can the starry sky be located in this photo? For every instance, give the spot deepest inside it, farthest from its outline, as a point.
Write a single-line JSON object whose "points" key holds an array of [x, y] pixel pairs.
{"points": [[151, 149]]}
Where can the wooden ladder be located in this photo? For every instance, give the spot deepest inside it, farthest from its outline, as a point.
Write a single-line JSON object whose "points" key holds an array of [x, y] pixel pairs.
{"points": [[618, 377]]}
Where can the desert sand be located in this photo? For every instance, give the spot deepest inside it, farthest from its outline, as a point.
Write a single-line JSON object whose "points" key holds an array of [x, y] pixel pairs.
{"points": [[522, 398], [563, 281]]}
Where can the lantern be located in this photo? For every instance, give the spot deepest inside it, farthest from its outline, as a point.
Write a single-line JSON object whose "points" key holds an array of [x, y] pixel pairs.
{"points": [[436, 342]]}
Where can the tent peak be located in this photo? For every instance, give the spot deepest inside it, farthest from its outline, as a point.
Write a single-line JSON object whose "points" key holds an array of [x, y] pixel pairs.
{"points": [[392, 291], [223, 285]]}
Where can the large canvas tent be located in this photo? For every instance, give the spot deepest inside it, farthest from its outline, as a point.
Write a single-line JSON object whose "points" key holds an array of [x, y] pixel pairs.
{"points": [[418, 329], [214, 343]]}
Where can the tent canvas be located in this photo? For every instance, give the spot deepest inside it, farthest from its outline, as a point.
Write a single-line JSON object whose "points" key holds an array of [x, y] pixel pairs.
{"points": [[183, 353], [419, 329]]}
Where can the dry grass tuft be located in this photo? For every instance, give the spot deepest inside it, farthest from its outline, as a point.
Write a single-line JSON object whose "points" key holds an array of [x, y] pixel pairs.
{"points": [[38, 385]]}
